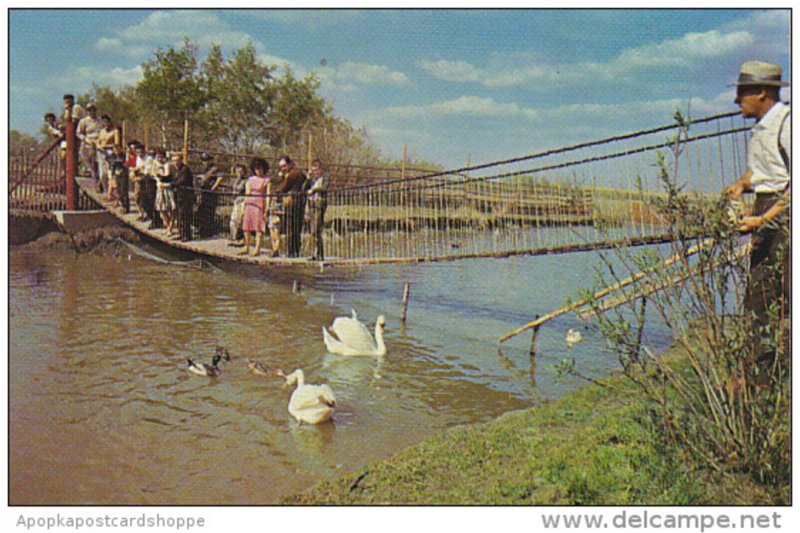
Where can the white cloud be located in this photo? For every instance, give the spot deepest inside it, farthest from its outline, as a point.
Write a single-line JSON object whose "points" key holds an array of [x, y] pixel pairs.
{"points": [[365, 74], [456, 71], [687, 50], [474, 106], [83, 77], [107, 43], [691, 50], [310, 19], [351, 75], [201, 27]]}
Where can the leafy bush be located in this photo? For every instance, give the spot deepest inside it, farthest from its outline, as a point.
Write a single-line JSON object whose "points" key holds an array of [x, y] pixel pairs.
{"points": [[726, 411]]}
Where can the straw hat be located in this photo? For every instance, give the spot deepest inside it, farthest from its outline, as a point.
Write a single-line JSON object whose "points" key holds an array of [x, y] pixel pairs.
{"points": [[758, 73]]}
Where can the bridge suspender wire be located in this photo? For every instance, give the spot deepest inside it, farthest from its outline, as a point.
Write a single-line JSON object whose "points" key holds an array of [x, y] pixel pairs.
{"points": [[547, 153]]}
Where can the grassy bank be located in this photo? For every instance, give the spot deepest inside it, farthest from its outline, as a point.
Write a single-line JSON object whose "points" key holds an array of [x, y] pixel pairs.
{"points": [[594, 446]]}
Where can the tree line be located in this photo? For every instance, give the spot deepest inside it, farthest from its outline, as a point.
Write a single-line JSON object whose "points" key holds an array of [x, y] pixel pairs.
{"points": [[236, 104]]}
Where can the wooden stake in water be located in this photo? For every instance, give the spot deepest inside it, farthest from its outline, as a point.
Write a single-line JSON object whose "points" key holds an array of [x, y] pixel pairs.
{"points": [[532, 350], [404, 312]]}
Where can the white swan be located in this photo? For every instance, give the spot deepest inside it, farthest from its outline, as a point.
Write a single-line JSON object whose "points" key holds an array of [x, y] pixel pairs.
{"points": [[312, 404], [354, 337], [573, 337]]}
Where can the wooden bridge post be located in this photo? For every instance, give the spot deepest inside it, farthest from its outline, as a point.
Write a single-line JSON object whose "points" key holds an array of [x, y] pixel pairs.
{"points": [[404, 311], [186, 140], [403, 162], [309, 158], [532, 350], [71, 163]]}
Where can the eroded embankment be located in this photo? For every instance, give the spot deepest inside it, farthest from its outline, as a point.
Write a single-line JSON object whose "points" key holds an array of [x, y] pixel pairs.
{"points": [[40, 231]]}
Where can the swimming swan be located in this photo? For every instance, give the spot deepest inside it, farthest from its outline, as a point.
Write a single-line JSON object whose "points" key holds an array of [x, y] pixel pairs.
{"points": [[573, 337], [354, 338], [312, 404]]}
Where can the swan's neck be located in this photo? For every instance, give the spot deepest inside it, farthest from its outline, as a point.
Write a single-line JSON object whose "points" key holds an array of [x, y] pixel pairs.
{"points": [[300, 378], [379, 344]]}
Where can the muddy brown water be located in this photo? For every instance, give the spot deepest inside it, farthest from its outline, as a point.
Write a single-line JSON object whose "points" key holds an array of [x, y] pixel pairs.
{"points": [[103, 411]]}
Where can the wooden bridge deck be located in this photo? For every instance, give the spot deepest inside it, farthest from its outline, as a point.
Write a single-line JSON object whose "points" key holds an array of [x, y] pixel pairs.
{"points": [[219, 247], [215, 247]]}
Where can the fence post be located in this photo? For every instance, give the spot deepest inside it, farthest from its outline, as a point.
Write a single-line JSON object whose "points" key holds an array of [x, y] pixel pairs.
{"points": [[71, 163]]}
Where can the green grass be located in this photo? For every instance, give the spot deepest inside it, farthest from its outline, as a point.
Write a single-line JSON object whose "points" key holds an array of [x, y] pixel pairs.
{"points": [[595, 446]]}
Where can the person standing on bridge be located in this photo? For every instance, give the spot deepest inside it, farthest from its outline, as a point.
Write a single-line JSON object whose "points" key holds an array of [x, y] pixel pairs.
{"points": [[293, 187], [206, 184], [72, 109], [88, 132], [239, 189], [107, 138], [255, 205], [317, 204], [769, 176], [182, 183], [56, 131], [165, 197], [118, 176]]}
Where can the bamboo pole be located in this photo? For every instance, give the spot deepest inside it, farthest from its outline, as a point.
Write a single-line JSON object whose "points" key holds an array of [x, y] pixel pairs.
{"points": [[655, 286], [608, 290]]}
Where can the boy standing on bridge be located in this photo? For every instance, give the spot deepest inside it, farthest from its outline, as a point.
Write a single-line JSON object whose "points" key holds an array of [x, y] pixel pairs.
{"points": [[768, 175]]}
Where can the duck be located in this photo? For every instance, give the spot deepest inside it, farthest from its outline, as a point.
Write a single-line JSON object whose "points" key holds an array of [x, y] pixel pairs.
{"points": [[573, 337], [257, 368], [223, 354], [202, 369], [354, 337], [312, 404]]}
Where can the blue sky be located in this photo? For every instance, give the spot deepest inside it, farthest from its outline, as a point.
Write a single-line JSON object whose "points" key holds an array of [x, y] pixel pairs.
{"points": [[488, 84]]}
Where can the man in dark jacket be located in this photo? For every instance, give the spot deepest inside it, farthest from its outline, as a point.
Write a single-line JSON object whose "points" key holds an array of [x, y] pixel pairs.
{"points": [[293, 186], [182, 184], [205, 185]]}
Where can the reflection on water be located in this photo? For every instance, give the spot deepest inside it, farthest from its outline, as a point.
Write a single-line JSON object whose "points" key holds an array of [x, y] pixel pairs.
{"points": [[103, 411]]}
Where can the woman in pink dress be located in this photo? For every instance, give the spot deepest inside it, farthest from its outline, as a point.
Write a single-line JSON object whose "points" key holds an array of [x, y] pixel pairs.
{"points": [[255, 216]]}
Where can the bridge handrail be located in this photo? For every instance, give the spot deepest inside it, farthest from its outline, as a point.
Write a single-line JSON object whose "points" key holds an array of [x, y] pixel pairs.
{"points": [[28, 171]]}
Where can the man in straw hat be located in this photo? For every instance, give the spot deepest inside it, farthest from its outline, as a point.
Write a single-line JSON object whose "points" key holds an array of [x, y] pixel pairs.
{"points": [[768, 175]]}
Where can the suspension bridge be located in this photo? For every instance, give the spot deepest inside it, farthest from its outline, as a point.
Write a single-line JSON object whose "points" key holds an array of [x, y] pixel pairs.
{"points": [[586, 196]]}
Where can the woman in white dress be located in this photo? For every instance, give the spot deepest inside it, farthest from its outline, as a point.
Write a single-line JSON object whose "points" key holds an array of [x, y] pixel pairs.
{"points": [[165, 198]]}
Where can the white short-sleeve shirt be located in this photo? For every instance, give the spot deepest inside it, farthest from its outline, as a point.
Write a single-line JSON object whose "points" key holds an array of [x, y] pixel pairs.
{"points": [[764, 159]]}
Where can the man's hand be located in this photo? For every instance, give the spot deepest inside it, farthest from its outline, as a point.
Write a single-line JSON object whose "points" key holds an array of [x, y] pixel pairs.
{"points": [[735, 190], [748, 224]]}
